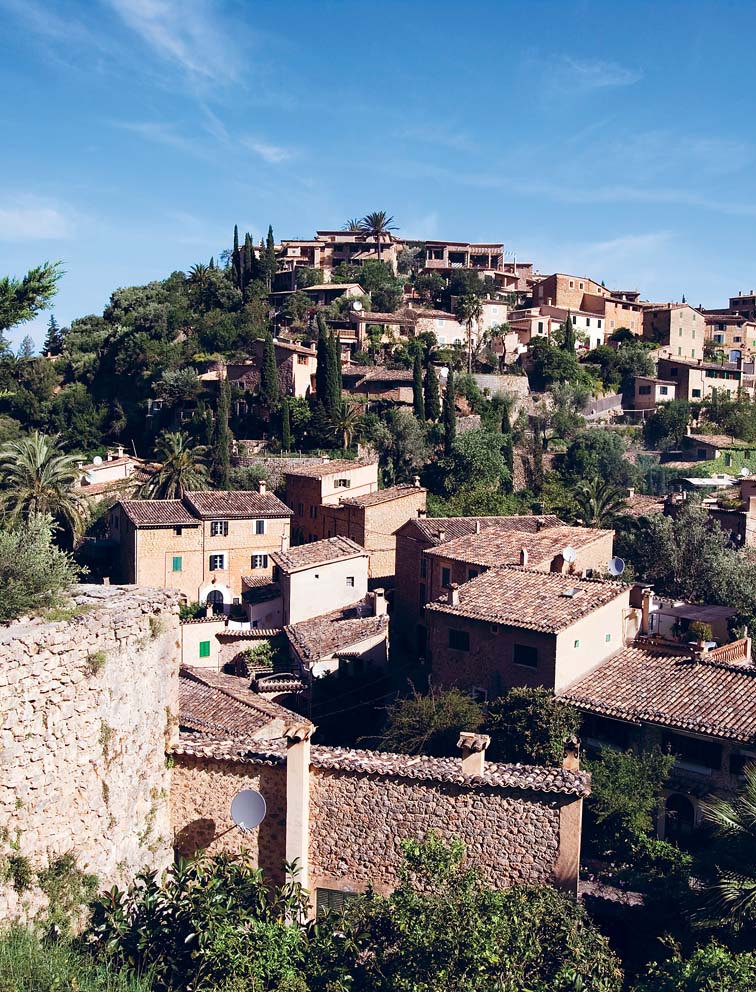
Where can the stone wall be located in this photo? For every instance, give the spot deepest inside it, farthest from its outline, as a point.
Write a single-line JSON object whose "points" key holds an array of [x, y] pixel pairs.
{"points": [[87, 708]]}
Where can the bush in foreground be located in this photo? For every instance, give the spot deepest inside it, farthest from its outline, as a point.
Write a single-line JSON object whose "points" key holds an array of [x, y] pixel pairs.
{"points": [[33, 571]]}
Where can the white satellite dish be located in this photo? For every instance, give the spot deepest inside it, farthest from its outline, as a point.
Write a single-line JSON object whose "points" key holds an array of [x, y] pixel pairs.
{"points": [[248, 810], [616, 566], [569, 554], [357, 306], [90, 477], [97, 460], [744, 472]]}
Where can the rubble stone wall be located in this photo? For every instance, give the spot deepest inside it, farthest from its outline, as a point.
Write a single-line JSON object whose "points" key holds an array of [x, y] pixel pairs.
{"points": [[88, 706]]}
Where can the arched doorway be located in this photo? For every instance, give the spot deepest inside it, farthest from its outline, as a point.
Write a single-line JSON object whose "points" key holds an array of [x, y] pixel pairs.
{"points": [[215, 599], [679, 819]]}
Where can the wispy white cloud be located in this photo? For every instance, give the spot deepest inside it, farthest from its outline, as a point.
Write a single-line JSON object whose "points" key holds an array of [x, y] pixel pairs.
{"points": [[26, 218], [273, 154], [592, 74], [161, 133], [188, 35]]}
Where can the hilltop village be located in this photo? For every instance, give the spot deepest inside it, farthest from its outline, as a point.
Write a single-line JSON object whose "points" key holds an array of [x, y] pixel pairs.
{"points": [[420, 543]]}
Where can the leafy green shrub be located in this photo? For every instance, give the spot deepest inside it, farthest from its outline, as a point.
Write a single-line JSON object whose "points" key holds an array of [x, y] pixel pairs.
{"points": [[96, 662], [33, 572], [69, 891], [530, 726], [708, 968], [18, 871], [191, 611], [429, 724]]}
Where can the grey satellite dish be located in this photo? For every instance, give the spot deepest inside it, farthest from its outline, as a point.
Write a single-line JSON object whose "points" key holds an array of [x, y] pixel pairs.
{"points": [[356, 306], [248, 810], [616, 566], [97, 460], [744, 472], [569, 554]]}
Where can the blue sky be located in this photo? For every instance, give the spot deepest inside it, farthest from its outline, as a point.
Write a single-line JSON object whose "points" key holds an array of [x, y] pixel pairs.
{"points": [[611, 140]]}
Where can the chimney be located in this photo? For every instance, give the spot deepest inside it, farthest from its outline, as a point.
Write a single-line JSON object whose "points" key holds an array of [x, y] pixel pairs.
{"points": [[380, 606], [80, 465], [630, 492], [524, 557], [452, 596], [285, 542], [421, 514], [325, 460], [106, 580], [298, 797], [473, 748], [539, 524], [416, 481], [645, 610], [262, 487], [442, 536], [571, 757], [477, 526]]}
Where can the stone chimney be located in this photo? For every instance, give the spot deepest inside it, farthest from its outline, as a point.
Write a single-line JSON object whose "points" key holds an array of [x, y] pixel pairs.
{"points": [[380, 606], [645, 611], [119, 451], [630, 492], [477, 526], [571, 757], [421, 514], [298, 797], [442, 536], [452, 596], [416, 481], [262, 487], [524, 557], [325, 460], [285, 542], [473, 748]]}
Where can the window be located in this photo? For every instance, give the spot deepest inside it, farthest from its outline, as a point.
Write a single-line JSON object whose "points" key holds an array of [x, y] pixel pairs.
{"points": [[313, 512], [259, 526], [524, 654], [679, 351], [607, 638], [580, 285], [423, 567], [572, 284], [696, 393], [459, 640], [217, 563], [644, 390], [342, 483], [177, 563], [204, 649], [577, 643], [540, 327], [350, 581], [445, 577], [330, 900], [673, 373], [302, 359], [599, 324], [178, 531], [472, 573], [219, 528], [663, 390], [587, 321], [300, 509], [691, 751], [259, 561]]}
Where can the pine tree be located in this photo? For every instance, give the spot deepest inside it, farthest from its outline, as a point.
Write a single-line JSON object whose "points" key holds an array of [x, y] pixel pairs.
{"points": [[222, 439], [286, 442], [25, 349], [568, 336], [270, 257], [417, 388], [54, 341], [431, 397], [269, 374], [450, 413]]}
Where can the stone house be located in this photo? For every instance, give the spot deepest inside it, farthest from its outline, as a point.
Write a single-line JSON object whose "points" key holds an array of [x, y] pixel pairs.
{"points": [[514, 626], [342, 814], [309, 488], [676, 327], [579, 293], [295, 365], [320, 577], [732, 335], [202, 544], [682, 699], [696, 380], [118, 474], [386, 385], [649, 392], [543, 321]]}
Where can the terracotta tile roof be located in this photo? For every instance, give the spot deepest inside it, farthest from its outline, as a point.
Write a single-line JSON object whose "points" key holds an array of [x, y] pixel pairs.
{"points": [[642, 685], [720, 441], [387, 375], [327, 468], [519, 597], [158, 513], [322, 636], [384, 495], [317, 553], [427, 529], [235, 504], [214, 704], [525, 778], [640, 505], [502, 546]]}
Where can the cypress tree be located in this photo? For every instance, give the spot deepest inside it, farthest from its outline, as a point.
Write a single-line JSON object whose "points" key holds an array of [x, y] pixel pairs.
{"points": [[506, 424], [339, 376], [286, 427], [432, 399], [269, 374], [236, 258], [54, 341], [320, 426], [450, 413], [417, 388], [568, 335], [324, 359], [334, 376], [222, 453], [248, 262], [270, 257]]}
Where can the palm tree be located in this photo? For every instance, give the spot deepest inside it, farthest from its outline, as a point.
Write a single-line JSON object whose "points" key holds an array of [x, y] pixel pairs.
{"points": [[183, 468], [469, 311], [38, 479], [598, 501], [353, 225], [377, 225], [345, 421], [733, 894]]}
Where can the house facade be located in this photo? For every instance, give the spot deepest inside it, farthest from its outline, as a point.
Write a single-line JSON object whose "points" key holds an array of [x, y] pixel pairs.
{"points": [[677, 328], [320, 577], [312, 487]]}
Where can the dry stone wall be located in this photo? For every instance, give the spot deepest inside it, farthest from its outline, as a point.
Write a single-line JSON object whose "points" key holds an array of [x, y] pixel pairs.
{"points": [[87, 708]]}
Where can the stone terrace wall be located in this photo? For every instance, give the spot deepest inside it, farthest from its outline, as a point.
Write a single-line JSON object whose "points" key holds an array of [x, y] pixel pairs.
{"points": [[87, 708]]}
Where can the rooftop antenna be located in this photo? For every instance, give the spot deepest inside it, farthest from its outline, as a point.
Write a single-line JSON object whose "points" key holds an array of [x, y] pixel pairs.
{"points": [[569, 554], [248, 810], [616, 566]]}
